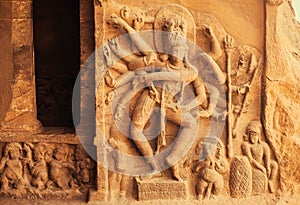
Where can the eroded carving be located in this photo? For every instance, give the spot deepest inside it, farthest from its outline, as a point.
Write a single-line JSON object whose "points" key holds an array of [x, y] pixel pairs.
{"points": [[145, 85], [166, 77], [41, 169], [211, 171], [11, 167], [37, 164], [264, 169]]}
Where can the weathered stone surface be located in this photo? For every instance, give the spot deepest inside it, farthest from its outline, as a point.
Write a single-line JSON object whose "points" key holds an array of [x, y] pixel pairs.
{"points": [[6, 65], [281, 93], [181, 102], [5, 10], [162, 190], [22, 9]]}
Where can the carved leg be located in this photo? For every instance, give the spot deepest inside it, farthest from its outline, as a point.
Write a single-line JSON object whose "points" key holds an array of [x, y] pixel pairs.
{"points": [[140, 117], [214, 94], [185, 138], [201, 188], [4, 182], [208, 190], [218, 184], [38, 183], [123, 186], [113, 185], [274, 170]]}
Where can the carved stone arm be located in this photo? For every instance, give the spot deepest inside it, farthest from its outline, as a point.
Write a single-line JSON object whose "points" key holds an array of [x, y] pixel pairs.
{"points": [[215, 51], [170, 76], [200, 98], [222, 166], [253, 162], [2, 163], [135, 37], [214, 67]]}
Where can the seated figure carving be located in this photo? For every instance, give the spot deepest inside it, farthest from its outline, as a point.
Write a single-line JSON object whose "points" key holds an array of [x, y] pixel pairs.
{"points": [[37, 165], [59, 170], [211, 170], [258, 153], [11, 167]]}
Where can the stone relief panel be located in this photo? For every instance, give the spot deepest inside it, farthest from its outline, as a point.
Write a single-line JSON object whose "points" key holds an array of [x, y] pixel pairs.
{"points": [[174, 99], [45, 170]]}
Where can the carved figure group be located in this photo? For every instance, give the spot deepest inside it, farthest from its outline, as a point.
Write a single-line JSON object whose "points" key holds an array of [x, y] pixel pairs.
{"points": [[35, 168]]}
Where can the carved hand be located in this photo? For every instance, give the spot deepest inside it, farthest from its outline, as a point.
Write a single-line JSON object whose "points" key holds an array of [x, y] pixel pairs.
{"points": [[116, 21], [107, 55], [109, 97], [114, 45], [154, 93], [208, 32], [135, 83], [244, 88], [228, 42], [118, 113], [113, 143], [263, 169], [185, 108], [27, 148]]}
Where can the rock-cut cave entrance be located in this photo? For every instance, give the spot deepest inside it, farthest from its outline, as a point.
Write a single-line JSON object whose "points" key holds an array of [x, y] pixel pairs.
{"points": [[56, 28]]}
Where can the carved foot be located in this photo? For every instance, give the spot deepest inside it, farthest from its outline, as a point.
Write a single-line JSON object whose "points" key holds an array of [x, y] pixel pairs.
{"points": [[176, 175], [113, 196], [122, 197], [219, 116], [150, 176], [200, 197], [271, 186]]}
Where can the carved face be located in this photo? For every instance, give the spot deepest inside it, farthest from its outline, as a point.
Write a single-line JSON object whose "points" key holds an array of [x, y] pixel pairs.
{"points": [[79, 154], [59, 154], [177, 54], [175, 25], [137, 21], [174, 39], [37, 155], [14, 154], [254, 136]]}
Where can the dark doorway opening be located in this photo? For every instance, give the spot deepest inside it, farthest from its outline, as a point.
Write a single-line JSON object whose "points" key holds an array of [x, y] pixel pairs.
{"points": [[56, 28]]}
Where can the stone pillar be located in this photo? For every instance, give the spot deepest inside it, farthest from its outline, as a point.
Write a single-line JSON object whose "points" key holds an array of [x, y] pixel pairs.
{"points": [[91, 15], [19, 94], [86, 127]]}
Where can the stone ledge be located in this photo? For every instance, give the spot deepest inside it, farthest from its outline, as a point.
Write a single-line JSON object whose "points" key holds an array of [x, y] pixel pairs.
{"points": [[48, 135]]}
